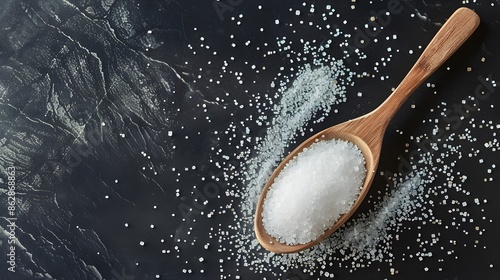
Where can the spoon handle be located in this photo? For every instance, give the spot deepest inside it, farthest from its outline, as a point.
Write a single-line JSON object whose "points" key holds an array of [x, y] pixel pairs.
{"points": [[449, 38]]}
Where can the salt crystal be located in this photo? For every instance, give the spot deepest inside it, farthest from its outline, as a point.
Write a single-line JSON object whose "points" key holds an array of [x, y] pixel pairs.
{"points": [[311, 193]]}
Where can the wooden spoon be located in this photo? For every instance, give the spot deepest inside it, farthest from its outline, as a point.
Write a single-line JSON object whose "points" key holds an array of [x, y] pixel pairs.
{"points": [[367, 131]]}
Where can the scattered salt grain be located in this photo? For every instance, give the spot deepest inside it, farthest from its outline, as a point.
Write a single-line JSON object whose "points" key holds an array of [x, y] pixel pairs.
{"points": [[302, 96], [315, 188]]}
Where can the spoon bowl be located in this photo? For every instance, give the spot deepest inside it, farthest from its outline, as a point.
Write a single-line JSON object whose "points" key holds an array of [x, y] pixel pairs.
{"points": [[367, 131]]}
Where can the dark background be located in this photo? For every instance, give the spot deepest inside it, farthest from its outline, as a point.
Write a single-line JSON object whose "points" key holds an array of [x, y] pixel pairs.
{"points": [[88, 97]]}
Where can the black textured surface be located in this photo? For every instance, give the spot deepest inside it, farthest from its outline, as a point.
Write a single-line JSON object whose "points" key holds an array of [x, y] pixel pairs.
{"points": [[88, 96]]}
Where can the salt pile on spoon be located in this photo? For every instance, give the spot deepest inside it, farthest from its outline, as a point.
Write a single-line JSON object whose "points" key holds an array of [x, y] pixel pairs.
{"points": [[313, 190]]}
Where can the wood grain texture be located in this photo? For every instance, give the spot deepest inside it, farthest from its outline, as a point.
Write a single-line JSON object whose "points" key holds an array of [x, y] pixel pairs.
{"points": [[367, 131]]}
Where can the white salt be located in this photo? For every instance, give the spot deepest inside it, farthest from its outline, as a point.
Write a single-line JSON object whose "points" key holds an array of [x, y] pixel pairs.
{"points": [[311, 193]]}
